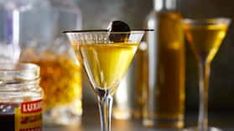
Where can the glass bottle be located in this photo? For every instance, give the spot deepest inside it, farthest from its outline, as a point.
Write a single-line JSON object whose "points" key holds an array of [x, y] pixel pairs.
{"points": [[165, 94], [68, 16], [10, 12]]}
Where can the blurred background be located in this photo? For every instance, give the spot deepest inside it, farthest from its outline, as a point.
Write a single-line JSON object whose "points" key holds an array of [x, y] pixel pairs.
{"points": [[38, 25], [98, 13]]}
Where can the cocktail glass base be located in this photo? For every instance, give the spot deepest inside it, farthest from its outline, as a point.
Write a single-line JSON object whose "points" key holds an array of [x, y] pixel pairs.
{"points": [[196, 129]]}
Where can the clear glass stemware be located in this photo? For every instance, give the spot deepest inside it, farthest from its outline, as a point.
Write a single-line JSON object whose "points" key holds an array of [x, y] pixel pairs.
{"points": [[106, 57], [205, 37]]}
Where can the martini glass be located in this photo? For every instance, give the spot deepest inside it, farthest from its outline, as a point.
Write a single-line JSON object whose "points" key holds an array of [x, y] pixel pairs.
{"points": [[106, 57], [205, 37]]}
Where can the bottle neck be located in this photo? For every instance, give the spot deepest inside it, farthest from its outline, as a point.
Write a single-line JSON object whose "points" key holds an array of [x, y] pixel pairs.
{"points": [[165, 5]]}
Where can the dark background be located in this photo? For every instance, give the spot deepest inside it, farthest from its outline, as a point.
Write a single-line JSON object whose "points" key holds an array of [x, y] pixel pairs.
{"points": [[98, 13]]}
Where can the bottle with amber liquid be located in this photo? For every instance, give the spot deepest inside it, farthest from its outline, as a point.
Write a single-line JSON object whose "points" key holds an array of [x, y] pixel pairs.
{"points": [[164, 107]]}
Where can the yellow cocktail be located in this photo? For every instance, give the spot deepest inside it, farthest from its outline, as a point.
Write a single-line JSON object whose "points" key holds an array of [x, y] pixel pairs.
{"points": [[106, 57]]}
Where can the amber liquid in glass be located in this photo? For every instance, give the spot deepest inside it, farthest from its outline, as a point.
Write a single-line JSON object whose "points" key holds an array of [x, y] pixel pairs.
{"points": [[170, 93], [140, 90], [205, 40], [205, 37], [106, 64], [61, 79]]}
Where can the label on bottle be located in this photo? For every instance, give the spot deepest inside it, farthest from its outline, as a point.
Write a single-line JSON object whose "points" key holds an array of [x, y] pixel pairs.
{"points": [[28, 116]]}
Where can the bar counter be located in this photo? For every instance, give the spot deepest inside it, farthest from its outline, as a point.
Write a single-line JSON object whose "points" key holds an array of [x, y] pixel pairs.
{"points": [[223, 119]]}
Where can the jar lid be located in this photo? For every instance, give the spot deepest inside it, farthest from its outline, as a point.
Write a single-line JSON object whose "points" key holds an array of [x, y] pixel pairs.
{"points": [[14, 73]]}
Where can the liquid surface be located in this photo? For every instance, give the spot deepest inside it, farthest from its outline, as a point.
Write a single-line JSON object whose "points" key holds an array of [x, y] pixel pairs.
{"points": [[205, 39], [106, 64]]}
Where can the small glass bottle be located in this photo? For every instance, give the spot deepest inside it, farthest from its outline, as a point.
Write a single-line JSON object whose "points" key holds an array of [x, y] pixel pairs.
{"points": [[20, 97], [166, 67]]}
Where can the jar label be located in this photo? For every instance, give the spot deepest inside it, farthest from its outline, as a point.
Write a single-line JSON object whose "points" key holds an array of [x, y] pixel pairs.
{"points": [[28, 116]]}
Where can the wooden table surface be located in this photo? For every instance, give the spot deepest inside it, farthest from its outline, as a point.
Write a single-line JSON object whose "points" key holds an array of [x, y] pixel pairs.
{"points": [[90, 122]]}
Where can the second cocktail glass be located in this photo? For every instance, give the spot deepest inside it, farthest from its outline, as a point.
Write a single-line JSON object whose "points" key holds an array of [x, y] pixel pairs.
{"points": [[106, 57], [205, 37]]}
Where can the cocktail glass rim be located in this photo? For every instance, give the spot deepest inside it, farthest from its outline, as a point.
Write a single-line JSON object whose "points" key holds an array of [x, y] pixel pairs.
{"points": [[133, 31]]}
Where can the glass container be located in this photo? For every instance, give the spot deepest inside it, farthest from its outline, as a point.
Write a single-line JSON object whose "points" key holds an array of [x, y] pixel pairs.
{"points": [[20, 97], [164, 95], [42, 43]]}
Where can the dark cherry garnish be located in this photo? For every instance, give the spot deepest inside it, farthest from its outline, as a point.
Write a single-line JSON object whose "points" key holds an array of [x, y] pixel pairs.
{"points": [[121, 31]]}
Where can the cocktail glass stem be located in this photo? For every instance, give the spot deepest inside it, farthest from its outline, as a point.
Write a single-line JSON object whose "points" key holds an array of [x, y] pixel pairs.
{"points": [[204, 73], [105, 108]]}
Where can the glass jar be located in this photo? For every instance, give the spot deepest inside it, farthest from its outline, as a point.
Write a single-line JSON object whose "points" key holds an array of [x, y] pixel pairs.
{"points": [[20, 97]]}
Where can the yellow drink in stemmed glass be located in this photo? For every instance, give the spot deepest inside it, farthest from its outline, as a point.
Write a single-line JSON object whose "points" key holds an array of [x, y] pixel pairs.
{"points": [[105, 62], [205, 37]]}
